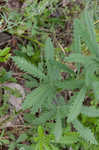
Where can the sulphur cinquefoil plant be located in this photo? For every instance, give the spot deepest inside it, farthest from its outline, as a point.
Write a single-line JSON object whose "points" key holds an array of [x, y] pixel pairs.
{"points": [[45, 97]]}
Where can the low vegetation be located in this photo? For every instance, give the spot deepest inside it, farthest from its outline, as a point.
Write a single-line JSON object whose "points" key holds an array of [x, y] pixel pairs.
{"points": [[49, 75]]}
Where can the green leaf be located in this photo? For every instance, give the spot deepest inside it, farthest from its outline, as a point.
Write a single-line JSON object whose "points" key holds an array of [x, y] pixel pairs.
{"points": [[4, 141], [22, 138], [90, 111], [76, 106], [49, 50], [35, 98], [38, 96], [79, 58], [70, 84], [64, 110], [43, 118], [58, 127], [62, 67], [95, 86], [28, 67], [89, 73], [46, 147], [87, 32], [53, 147], [84, 132], [5, 51], [12, 146], [76, 37], [37, 147], [69, 138]]}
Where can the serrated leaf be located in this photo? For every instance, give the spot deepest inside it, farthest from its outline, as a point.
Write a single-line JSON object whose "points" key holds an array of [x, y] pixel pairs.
{"points": [[58, 127], [76, 37], [89, 73], [35, 97], [43, 118], [87, 32], [38, 96], [62, 67], [26, 66], [69, 138], [22, 138], [90, 111], [95, 86], [79, 58], [49, 50], [76, 106], [84, 132], [70, 84]]}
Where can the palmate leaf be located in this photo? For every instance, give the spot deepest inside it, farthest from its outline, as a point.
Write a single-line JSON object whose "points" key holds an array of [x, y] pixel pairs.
{"points": [[90, 111], [84, 132], [76, 106], [26, 66]]}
